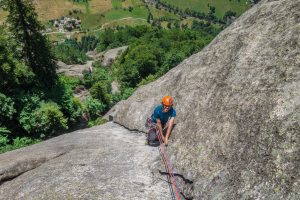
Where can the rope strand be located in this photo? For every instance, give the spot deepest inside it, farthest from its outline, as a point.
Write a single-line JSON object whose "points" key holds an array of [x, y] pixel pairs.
{"points": [[167, 164]]}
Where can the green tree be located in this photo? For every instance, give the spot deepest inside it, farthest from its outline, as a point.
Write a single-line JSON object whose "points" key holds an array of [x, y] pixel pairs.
{"points": [[94, 107], [177, 25], [62, 95], [26, 29], [228, 14], [212, 9], [46, 119], [99, 74], [70, 54], [101, 91], [7, 109], [3, 136], [88, 43], [150, 17], [140, 62], [14, 74], [169, 25]]}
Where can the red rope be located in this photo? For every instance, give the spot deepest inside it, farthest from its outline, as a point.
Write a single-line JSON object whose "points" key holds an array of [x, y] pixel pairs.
{"points": [[167, 164]]}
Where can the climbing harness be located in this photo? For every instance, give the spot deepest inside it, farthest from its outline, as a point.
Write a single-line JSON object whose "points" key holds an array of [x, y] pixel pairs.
{"points": [[165, 158]]}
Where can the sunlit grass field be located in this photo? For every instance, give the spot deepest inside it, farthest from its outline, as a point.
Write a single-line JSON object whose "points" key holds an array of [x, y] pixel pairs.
{"points": [[92, 13], [52, 9], [56, 36], [238, 6], [116, 4], [132, 3], [137, 12], [157, 13], [126, 21], [121, 10], [99, 6]]}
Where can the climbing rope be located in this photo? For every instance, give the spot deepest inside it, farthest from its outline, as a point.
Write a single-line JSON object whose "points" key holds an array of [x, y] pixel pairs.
{"points": [[165, 157]]}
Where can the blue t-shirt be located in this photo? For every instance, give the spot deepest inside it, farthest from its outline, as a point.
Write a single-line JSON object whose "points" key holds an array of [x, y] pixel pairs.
{"points": [[163, 116]]}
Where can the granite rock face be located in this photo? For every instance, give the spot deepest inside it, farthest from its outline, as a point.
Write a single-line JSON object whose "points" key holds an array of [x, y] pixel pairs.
{"points": [[238, 109], [103, 162], [107, 57], [110, 55], [74, 70]]}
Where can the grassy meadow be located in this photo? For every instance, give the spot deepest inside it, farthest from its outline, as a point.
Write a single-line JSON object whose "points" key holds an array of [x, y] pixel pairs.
{"points": [[238, 6], [52, 9], [127, 21], [121, 9], [91, 12], [158, 13], [137, 12], [116, 4], [132, 3]]}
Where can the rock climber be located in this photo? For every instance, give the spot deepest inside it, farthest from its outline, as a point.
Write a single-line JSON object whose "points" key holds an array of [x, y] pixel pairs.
{"points": [[163, 119]]}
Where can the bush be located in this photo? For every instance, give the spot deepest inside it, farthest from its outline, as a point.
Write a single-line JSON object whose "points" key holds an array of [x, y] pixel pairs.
{"points": [[141, 61], [124, 36], [147, 80], [96, 122], [229, 14], [69, 81], [45, 120], [69, 54], [14, 74], [101, 91], [93, 107], [123, 95], [100, 74], [3, 136], [62, 94], [18, 143], [75, 109], [7, 108], [88, 43], [24, 141], [30, 103], [3, 140]]}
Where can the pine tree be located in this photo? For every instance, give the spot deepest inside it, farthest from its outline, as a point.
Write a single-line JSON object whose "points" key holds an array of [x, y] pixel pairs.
{"points": [[169, 25], [150, 17], [26, 29]]}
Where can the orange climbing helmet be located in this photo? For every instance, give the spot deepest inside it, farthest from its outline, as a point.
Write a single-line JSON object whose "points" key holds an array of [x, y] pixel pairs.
{"points": [[167, 101]]}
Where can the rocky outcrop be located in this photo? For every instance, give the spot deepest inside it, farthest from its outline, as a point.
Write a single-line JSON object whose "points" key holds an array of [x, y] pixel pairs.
{"points": [[81, 93], [107, 57], [103, 162], [74, 70], [110, 55], [115, 87], [238, 106]]}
